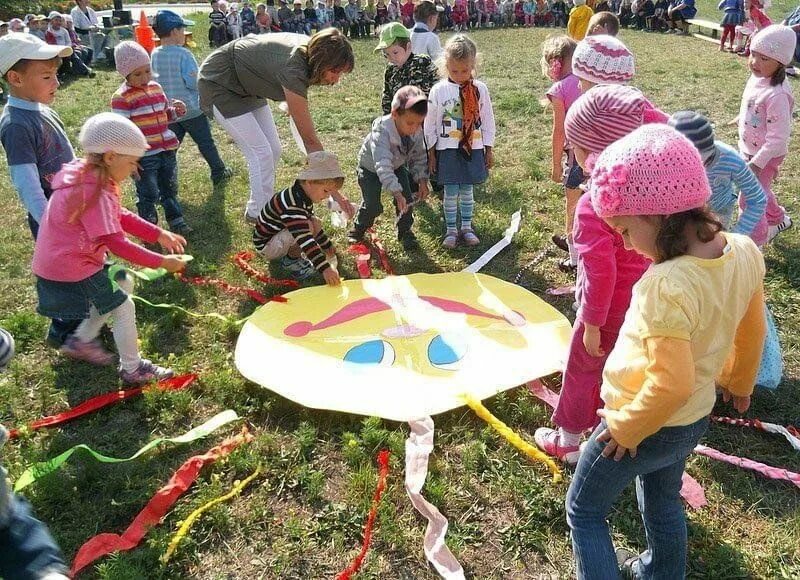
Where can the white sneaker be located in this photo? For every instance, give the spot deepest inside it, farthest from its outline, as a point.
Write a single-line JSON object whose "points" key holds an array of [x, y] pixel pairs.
{"points": [[781, 227]]}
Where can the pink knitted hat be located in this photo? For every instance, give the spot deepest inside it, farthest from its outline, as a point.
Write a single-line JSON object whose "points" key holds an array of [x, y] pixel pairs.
{"points": [[606, 113], [653, 171], [603, 60], [776, 42], [128, 56]]}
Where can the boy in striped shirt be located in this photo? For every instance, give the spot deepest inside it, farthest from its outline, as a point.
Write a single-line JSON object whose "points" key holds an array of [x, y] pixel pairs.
{"points": [[143, 101], [286, 228]]}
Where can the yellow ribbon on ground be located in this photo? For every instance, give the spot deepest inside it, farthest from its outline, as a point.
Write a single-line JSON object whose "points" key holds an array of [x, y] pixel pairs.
{"points": [[189, 521], [509, 435]]}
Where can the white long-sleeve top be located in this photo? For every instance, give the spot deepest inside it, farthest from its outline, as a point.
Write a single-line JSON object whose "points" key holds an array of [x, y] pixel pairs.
{"points": [[444, 120], [83, 21], [424, 41]]}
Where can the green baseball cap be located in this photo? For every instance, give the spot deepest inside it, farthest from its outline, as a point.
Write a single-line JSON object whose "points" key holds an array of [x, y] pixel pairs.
{"points": [[391, 33]]}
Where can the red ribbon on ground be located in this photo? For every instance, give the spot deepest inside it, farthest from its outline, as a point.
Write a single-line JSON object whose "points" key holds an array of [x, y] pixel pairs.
{"points": [[225, 287], [103, 544], [382, 256], [383, 473], [104, 400], [362, 255], [242, 259], [754, 423]]}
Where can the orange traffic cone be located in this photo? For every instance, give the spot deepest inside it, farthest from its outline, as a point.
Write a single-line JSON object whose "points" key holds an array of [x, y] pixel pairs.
{"points": [[145, 34]]}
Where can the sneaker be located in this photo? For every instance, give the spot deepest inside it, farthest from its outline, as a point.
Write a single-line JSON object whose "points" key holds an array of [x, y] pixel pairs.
{"points": [[567, 266], [355, 237], [549, 441], [560, 240], [181, 228], [469, 238], [226, 174], [450, 240], [409, 241], [773, 231], [791, 71], [300, 268], [146, 372], [626, 560], [92, 351]]}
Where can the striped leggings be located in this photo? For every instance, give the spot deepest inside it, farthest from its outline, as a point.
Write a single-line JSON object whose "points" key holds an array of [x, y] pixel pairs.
{"points": [[458, 196]]}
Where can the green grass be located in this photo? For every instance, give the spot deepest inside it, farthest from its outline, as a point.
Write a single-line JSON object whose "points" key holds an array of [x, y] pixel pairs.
{"points": [[303, 517]]}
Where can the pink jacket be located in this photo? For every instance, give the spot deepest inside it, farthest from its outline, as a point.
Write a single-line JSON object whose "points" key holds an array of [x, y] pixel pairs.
{"points": [[606, 270], [765, 120]]}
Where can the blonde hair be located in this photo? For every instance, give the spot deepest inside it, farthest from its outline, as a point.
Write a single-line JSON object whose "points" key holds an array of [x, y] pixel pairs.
{"points": [[336, 182], [560, 48], [459, 47], [328, 50], [93, 163]]}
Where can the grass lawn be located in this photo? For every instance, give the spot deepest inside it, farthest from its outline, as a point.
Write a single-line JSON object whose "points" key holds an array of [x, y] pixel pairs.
{"points": [[303, 518]]}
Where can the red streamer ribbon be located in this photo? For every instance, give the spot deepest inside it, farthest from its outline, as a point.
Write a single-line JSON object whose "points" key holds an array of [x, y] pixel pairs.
{"points": [[766, 470], [382, 256], [104, 544], [754, 423], [104, 400], [362, 254], [225, 287], [242, 260], [383, 473]]}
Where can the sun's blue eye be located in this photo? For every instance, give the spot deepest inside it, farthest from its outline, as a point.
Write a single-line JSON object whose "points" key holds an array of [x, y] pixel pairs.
{"points": [[374, 352], [446, 353]]}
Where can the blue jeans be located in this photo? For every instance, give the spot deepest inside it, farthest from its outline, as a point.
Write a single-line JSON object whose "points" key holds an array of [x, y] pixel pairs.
{"points": [[27, 550], [599, 481], [200, 131], [158, 182]]}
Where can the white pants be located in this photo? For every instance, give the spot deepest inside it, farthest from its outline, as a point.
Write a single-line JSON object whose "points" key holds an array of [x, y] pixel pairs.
{"points": [[124, 329], [256, 136]]}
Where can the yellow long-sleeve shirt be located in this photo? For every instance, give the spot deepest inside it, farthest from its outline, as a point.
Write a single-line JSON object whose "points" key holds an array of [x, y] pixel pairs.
{"points": [[579, 21], [691, 321]]}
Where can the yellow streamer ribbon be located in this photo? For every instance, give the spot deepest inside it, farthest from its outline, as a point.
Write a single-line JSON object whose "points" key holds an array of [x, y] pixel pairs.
{"points": [[189, 521], [512, 437]]}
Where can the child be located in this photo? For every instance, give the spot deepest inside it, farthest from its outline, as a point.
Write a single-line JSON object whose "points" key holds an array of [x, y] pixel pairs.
{"points": [[248, 19], [519, 12], [85, 53], [301, 25], [765, 119], [339, 16], [32, 133], [423, 38], [392, 155], [606, 270], [605, 23], [310, 15], [557, 66], [287, 225], [459, 131], [579, 20], [659, 22], [393, 11], [725, 169], [529, 9], [407, 13], [733, 16], [84, 221], [176, 69], [507, 12], [263, 20], [28, 550], [324, 15], [37, 26], [381, 13], [700, 303], [57, 34], [543, 17], [602, 60], [234, 21], [143, 101], [274, 19], [217, 26], [460, 15], [403, 67], [559, 11]]}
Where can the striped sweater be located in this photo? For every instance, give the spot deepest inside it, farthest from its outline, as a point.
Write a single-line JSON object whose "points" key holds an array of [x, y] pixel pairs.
{"points": [[149, 108], [726, 170], [292, 210]]}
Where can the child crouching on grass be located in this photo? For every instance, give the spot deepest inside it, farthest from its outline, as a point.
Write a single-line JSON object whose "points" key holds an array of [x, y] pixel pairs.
{"points": [[696, 320], [392, 154], [83, 222], [286, 228]]}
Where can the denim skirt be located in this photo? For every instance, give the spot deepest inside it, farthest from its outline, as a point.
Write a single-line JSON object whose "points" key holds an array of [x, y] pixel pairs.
{"points": [[454, 168], [73, 300]]}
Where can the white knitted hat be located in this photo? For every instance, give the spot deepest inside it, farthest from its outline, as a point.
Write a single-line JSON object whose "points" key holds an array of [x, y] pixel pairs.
{"points": [[128, 56], [603, 60], [777, 42], [112, 133]]}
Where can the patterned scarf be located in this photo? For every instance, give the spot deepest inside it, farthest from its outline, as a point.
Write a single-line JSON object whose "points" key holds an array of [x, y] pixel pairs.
{"points": [[470, 109]]}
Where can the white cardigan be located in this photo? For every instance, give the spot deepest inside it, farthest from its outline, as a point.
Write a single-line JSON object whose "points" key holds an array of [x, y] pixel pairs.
{"points": [[443, 123]]}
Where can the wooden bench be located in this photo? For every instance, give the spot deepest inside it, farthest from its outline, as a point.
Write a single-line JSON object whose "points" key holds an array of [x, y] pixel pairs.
{"points": [[713, 27]]}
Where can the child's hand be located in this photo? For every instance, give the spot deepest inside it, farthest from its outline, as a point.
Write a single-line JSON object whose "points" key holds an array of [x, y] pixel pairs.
{"points": [[173, 264], [591, 340], [331, 277], [488, 156], [423, 192], [402, 204], [754, 168], [741, 404], [432, 162], [612, 447], [173, 243], [180, 107]]}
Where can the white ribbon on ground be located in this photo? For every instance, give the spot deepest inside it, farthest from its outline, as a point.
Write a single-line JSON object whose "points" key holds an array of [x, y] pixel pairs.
{"points": [[512, 229], [418, 448], [781, 430]]}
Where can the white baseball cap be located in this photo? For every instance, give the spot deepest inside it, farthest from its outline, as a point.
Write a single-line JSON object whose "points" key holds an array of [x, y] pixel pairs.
{"points": [[16, 46]]}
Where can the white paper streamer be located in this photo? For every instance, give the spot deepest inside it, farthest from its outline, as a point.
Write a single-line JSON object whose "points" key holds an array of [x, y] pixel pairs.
{"points": [[512, 229], [781, 430], [418, 448]]}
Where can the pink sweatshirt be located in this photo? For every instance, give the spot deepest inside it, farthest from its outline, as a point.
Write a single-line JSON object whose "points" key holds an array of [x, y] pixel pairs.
{"points": [[765, 120], [606, 270], [71, 252]]}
